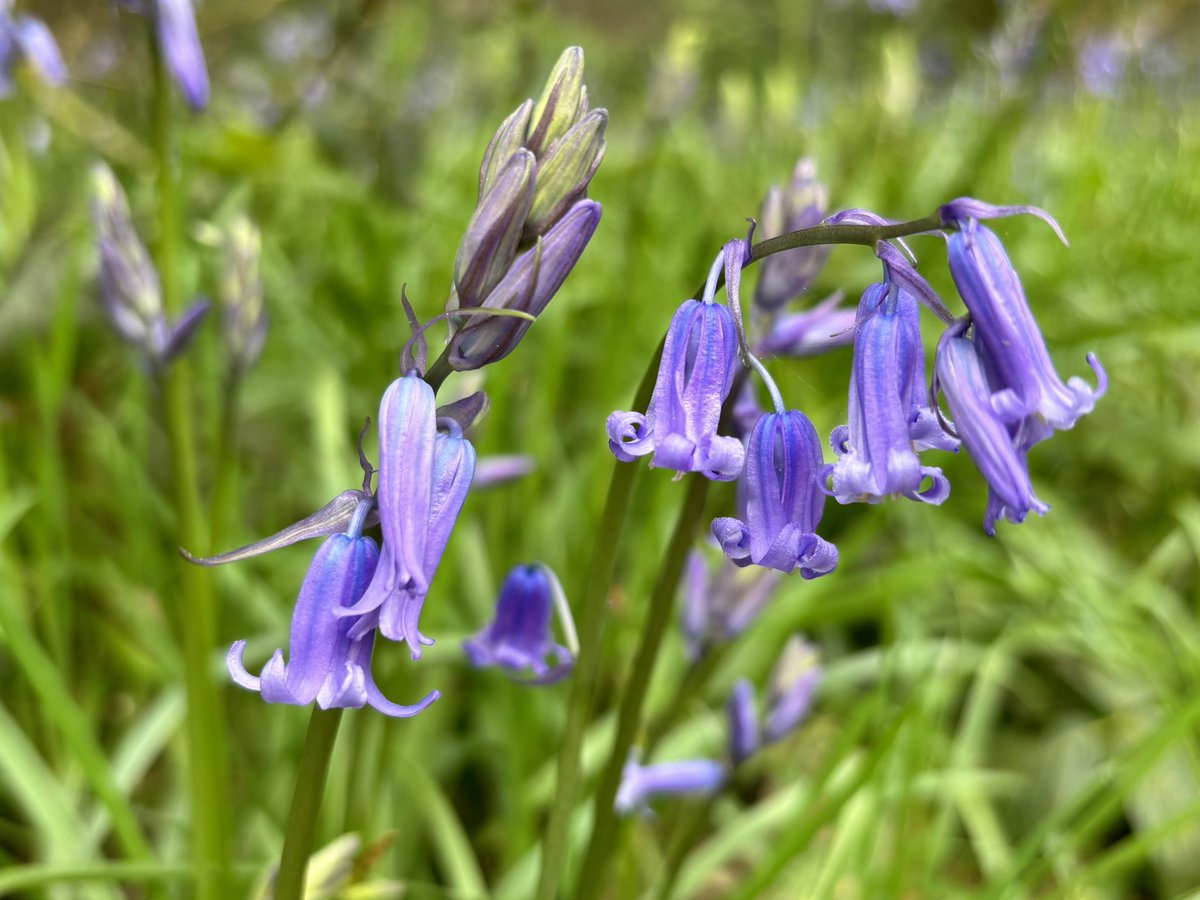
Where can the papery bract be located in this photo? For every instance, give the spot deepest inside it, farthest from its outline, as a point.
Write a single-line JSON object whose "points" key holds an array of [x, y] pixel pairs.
{"points": [[782, 500]]}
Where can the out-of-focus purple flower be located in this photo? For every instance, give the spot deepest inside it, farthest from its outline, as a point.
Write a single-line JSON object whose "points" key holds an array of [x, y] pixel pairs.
{"points": [[520, 638], [528, 285], [494, 470], [782, 500], [689, 776], [424, 477], [180, 43], [699, 358], [719, 607], [129, 286], [1101, 64], [811, 332], [961, 377], [784, 276], [877, 450], [326, 664], [244, 317], [26, 38], [1027, 391], [793, 682], [744, 735]]}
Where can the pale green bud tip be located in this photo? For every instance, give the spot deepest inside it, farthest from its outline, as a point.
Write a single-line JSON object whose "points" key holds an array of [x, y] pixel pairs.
{"points": [[244, 320], [565, 172], [559, 106]]}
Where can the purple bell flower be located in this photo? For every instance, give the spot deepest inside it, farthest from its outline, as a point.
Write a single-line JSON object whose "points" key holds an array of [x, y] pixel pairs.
{"points": [[810, 333], [793, 683], [519, 639], [889, 418], [27, 38], [180, 42], [719, 607], [960, 376], [325, 663], [424, 477], [699, 358], [688, 776], [744, 735], [782, 500], [1027, 389]]}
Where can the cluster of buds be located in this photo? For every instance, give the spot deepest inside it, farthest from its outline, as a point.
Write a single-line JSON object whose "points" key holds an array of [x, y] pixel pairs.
{"points": [[243, 315], [129, 284], [24, 38], [533, 219]]}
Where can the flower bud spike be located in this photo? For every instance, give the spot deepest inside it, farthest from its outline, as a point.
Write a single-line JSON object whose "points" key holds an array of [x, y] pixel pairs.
{"points": [[565, 171], [490, 242], [508, 139], [556, 109]]}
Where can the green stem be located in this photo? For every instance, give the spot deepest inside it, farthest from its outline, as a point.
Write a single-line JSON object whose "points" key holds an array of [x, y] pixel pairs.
{"points": [[306, 802], [587, 667], [604, 818], [205, 724], [225, 477]]}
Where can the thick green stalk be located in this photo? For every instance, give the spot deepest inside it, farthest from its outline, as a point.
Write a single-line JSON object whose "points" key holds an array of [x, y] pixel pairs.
{"points": [[587, 667], [306, 802], [205, 723], [225, 477], [604, 819]]}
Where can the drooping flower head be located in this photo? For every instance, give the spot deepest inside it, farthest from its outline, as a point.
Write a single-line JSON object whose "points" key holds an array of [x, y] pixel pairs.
{"points": [[424, 477], [325, 663], [782, 500], [1027, 390], [688, 776], [520, 638], [699, 359], [889, 418], [989, 440]]}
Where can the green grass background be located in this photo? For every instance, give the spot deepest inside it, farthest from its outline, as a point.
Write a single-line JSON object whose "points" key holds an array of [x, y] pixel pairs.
{"points": [[1005, 717]]}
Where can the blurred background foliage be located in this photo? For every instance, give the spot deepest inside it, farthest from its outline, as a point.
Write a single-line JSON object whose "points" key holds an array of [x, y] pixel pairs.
{"points": [[1000, 717]]}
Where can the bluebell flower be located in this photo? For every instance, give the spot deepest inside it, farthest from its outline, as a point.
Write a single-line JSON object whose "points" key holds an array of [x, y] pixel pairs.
{"points": [[889, 417], [699, 359], [812, 332], [960, 375], [1027, 391], [802, 204], [718, 607], [782, 500], [745, 735], [179, 42], [26, 38], [424, 476], [793, 682], [325, 663], [520, 638], [689, 776]]}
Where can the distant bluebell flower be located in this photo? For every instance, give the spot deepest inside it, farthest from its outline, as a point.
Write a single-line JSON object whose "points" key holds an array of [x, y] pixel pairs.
{"points": [[494, 470], [424, 477], [877, 450], [26, 38], [782, 500], [809, 333], [785, 276], [1101, 64], [244, 316], [745, 736], [689, 776], [520, 638], [325, 663], [699, 359], [1027, 391], [129, 285], [719, 607], [179, 41], [793, 682], [961, 377]]}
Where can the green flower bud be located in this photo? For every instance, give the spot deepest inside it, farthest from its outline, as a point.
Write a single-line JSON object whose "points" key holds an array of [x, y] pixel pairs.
{"points": [[508, 139], [244, 318], [559, 106], [564, 172]]}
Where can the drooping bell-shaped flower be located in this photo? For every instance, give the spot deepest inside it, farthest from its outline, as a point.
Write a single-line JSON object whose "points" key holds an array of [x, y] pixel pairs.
{"points": [[877, 450], [688, 776], [520, 638], [324, 662], [719, 607], [25, 38], [960, 376], [424, 477], [1027, 389], [699, 360], [812, 332], [782, 500]]}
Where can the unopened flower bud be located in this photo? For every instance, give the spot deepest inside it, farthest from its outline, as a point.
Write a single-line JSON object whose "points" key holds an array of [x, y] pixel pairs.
{"points": [[488, 247], [532, 280], [244, 319], [559, 106], [508, 139], [800, 205], [564, 173], [128, 280]]}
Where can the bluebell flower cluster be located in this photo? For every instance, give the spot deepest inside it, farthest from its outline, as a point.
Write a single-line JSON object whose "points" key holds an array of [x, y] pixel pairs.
{"points": [[792, 685]]}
